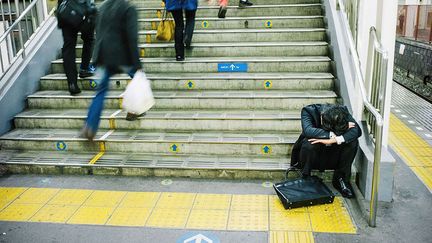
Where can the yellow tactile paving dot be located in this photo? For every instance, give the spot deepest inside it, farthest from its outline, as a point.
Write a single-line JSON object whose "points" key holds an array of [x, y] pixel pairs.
{"points": [[290, 220], [54, 213], [176, 200], [70, 197], [19, 212], [129, 217], [91, 215], [140, 199], [248, 220], [290, 237], [208, 219], [104, 198], [425, 174], [212, 201], [249, 202], [170, 218], [37, 195]]}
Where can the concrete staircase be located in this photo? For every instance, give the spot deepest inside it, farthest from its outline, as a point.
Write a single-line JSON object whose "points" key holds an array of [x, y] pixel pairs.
{"points": [[205, 123]]}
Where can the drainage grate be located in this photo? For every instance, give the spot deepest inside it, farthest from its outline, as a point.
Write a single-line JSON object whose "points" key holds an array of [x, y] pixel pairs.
{"points": [[170, 163]]}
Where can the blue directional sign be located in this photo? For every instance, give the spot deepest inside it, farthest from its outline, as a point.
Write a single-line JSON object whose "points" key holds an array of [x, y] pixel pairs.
{"points": [[198, 237], [232, 67], [93, 84], [266, 149], [174, 148], [190, 84], [61, 146], [205, 24], [268, 84]]}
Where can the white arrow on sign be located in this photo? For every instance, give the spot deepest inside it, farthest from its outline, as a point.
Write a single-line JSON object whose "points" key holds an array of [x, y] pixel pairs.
{"points": [[232, 67], [199, 238]]}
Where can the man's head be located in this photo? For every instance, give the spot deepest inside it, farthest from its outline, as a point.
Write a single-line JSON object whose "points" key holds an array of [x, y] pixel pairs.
{"points": [[335, 119]]}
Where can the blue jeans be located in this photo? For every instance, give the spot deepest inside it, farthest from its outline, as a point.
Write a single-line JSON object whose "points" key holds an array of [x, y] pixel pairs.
{"points": [[96, 107]]}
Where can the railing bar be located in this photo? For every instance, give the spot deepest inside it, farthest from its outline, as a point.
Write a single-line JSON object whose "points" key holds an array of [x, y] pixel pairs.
{"points": [[19, 25], [26, 20]]}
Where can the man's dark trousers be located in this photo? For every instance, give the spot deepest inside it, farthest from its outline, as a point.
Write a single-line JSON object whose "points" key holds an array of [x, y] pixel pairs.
{"points": [[320, 156], [70, 39]]}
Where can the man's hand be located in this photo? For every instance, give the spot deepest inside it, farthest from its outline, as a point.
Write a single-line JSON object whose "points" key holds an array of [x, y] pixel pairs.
{"points": [[351, 125], [323, 141]]}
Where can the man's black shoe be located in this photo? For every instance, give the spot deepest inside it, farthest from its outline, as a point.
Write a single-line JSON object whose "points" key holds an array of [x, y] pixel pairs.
{"points": [[179, 58], [73, 89], [83, 73], [222, 12], [345, 189], [133, 117], [243, 3]]}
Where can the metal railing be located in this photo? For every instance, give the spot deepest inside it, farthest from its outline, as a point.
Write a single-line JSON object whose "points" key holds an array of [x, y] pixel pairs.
{"points": [[15, 36], [373, 101]]}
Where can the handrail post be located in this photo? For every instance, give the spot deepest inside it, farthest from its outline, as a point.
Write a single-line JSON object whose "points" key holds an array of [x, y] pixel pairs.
{"points": [[375, 177]]}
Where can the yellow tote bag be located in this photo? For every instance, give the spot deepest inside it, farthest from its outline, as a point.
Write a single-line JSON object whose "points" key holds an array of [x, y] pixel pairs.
{"points": [[165, 29]]}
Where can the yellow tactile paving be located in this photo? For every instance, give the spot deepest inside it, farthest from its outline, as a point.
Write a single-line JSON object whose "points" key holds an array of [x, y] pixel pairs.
{"points": [[171, 210], [170, 218], [91, 215], [415, 151], [54, 213], [70, 197], [129, 216], [104, 199], [36, 196], [290, 237], [140, 199], [208, 219], [212, 201], [8, 194], [248, 220], [176, 200], [249, 202], [19, 212]]}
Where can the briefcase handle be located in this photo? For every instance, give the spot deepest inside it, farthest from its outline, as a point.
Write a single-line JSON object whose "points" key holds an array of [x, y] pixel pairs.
{"points": [[293, 169]]}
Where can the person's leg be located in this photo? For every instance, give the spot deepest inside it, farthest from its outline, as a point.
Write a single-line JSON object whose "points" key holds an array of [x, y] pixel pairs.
{"points": [[69, 62], [309, 157], [178, 34], [190, 25], [87, 35], [347, 154], [243, 3], [96, 107]]}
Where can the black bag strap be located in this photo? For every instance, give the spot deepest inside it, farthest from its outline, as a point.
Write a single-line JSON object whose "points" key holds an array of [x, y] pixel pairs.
{"points": [[293, 169]]}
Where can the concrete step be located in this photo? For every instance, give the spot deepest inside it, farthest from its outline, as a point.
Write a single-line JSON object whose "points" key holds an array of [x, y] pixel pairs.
{"points": [[261, 22], [141, 164], [236, 11], [131, 141], [210, 64], [157, 3], [207, 81], [166, 120], [238, 49], [245, 35], [249, 100]]}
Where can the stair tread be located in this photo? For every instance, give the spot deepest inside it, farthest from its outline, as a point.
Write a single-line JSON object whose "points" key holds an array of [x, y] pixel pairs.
{"points": [[163, 114], [255, 6], [227, 31], [130, 136], [145, 160], [242, 18], [195, 94], [278, 75], [237, 44]]}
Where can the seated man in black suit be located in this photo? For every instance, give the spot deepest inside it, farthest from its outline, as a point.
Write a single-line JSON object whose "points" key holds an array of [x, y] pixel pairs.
{"points": [[329, 140]]}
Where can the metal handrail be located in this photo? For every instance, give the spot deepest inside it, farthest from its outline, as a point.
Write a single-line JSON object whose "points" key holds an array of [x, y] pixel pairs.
{"points": [[21, 52], [381, 74]]}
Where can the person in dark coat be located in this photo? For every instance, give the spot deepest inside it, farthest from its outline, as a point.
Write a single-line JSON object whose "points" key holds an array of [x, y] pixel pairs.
{"points": [[183, 34], [70, 35], [116, 50], [329, 140]]}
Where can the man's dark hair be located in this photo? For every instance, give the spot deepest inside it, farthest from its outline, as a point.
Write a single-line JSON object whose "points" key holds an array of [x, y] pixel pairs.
{"points": [[335, 119]]}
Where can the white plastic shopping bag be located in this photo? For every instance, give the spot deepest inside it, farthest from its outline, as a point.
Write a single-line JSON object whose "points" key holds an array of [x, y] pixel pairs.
{"points": [[138, 97]]}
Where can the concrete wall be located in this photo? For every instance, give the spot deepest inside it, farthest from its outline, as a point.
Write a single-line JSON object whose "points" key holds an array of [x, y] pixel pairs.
{"points": [[23, 78]]}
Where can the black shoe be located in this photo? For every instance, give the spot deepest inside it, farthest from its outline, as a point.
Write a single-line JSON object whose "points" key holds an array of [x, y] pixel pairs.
{"points": [[179, 58], [344, 188], [133, 117], [74, 89], [243, 3], [222, 12], [85, 73]]}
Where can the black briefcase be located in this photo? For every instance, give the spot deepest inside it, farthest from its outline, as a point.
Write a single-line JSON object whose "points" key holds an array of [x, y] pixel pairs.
{"points": [[301, 192]]}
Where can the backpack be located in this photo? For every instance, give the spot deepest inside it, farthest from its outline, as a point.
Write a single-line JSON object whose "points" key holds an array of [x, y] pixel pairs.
{"points": [[74, 12]]}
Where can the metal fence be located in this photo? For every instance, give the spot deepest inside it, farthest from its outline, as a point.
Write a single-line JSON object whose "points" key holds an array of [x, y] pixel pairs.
{"points": [[415, 22], [20, 19]]}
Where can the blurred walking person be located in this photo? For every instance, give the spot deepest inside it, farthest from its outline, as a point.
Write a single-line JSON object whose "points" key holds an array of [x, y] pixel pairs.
{"points": [[116, 51], [70, 34], [183, 33]]}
